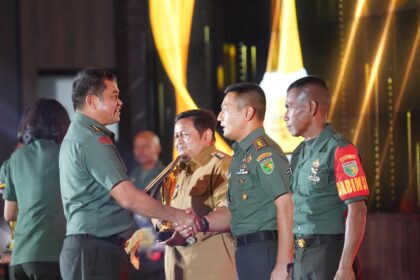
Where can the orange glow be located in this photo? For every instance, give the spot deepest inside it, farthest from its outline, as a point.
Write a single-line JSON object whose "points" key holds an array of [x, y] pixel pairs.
{"points": [[400, 95], [171, 27], [347, 52], [374, 72]]}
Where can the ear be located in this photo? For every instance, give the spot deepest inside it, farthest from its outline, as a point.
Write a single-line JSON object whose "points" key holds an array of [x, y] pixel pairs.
{"points": [[313, 107], [208, 135], [249, 113], [90, 101]]}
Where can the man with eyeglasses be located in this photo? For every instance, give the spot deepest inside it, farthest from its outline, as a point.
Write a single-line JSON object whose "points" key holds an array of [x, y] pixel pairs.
{"points": [[201, 186]]}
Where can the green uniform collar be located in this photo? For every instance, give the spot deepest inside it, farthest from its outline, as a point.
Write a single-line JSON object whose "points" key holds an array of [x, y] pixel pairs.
{"points": [[94, 125], [324, 136], [250, 138]]}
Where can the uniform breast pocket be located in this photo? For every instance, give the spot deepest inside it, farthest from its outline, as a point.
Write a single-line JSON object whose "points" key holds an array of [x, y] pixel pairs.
{"points": [[248, 195]]}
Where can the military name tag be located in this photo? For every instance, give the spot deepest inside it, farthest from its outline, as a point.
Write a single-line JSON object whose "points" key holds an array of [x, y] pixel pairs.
{"points": [[242, 171]]}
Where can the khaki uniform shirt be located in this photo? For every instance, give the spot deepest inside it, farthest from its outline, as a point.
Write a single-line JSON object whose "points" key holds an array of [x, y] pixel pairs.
{"points": [[258, 174], [202, 185], [327, 175], [90, 166]]}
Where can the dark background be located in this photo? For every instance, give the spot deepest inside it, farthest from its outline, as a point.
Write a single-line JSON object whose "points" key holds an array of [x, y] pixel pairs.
{"points": [[59, 37]]}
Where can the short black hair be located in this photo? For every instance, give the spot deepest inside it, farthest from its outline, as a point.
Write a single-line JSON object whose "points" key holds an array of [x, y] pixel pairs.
{"points": [[311, 79], [45, 119], [252, 94], [89, 81], [202, 119]]}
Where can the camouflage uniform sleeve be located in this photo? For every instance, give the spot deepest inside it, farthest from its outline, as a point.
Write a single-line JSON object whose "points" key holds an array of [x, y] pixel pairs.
{"points": [[104, 162], [273, 173], [350, 177], [220, 184], [6, 182]]}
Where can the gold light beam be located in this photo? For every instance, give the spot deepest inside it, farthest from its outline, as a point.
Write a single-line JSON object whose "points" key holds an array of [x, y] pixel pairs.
{"points": [[407, 73], [347, 52], [374, 72]]}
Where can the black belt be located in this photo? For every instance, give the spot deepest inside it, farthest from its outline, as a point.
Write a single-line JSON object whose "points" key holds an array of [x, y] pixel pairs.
{"points": [[115, 239], [256, 237], [307, 241]]}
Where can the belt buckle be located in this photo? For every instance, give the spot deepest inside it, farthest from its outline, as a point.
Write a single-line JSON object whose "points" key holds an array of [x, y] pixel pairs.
{"points": [[301, 242]]}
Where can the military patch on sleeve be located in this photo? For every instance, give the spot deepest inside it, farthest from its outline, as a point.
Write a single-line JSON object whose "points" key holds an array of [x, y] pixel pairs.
{"points": [[350, 168], [263, 155], [105, 140], [350, 178], [259, 143], [267, 166]]}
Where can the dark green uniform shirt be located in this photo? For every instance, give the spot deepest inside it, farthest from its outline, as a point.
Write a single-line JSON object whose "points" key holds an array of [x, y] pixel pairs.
{"points": [[90, 166], [32, 180], [141, 178], [327, 175], [259, 173]]}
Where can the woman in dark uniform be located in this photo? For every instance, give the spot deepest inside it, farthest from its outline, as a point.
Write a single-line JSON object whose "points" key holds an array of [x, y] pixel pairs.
{"points": [[32, 192]]}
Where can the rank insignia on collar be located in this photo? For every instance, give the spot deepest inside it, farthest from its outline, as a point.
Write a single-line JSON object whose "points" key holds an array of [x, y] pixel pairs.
{"points": [[314, 169], [259, 143], [96, 128], [267, 166], [219, 155]]}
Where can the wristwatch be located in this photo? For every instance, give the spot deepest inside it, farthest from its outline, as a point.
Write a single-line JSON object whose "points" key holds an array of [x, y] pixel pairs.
{"points": [[204, 224]]}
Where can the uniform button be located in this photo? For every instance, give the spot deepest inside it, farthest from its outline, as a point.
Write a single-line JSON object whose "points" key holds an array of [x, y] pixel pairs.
{"points": [[298, 228]]}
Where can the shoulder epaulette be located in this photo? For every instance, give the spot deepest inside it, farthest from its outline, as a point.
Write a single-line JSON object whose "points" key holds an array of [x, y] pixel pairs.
{"points": [[95, 128], [259, 143], [341, 140]]}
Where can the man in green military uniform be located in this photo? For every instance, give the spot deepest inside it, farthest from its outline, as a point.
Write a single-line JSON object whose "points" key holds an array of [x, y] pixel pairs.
{"points": [[95, 187], [260, 201], [328, 184]]}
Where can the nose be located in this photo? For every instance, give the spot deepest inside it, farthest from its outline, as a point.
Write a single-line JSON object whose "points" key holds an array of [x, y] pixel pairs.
{"points": [[120, 103], [220, 116], [286, 117]]}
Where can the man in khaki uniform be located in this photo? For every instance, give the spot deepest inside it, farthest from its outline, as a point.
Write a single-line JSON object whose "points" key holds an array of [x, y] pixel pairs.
{"points": [[200, 184]]}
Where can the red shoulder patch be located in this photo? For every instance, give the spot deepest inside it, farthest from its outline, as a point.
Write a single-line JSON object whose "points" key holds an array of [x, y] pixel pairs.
{"points": [[105, 140], [349, 175]]}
